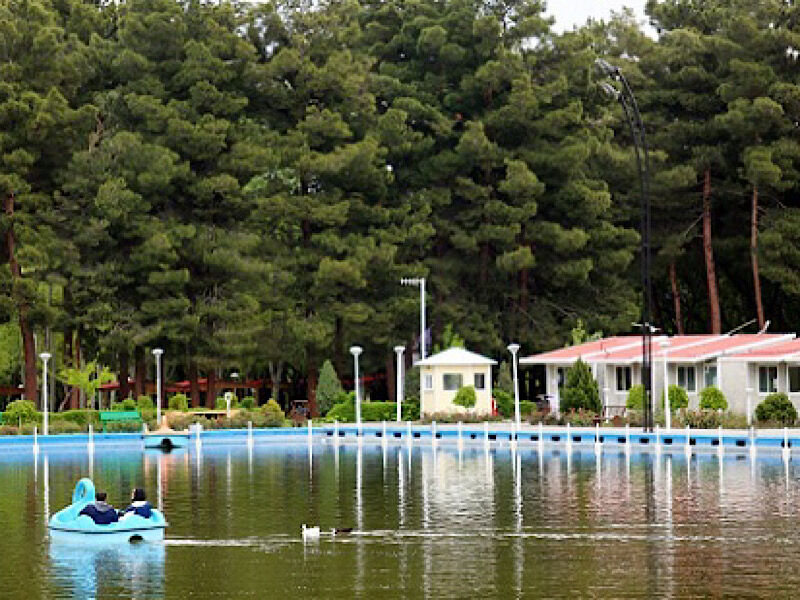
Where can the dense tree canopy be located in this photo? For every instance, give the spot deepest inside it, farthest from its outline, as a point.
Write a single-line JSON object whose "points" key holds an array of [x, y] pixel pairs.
{"points": [[244, 186]]}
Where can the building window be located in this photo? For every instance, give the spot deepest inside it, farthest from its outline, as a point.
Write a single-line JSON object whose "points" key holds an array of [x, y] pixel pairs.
{"points": [[428, 382], [767, 380], [480, 381], [452, 381], [561, 377], [624, 379], [794, 380], [710, 376], [686, 378]]}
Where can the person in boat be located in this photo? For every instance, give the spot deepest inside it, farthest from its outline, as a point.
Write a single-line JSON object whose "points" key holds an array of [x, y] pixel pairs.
{"points": [[139, 505], [101, 512]]}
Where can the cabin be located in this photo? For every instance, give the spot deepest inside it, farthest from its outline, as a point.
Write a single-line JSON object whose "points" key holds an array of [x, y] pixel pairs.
{"points": [[443, 374]]}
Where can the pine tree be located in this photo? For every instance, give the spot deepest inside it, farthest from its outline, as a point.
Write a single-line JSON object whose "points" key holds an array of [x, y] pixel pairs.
{"points": [[580, 390]]}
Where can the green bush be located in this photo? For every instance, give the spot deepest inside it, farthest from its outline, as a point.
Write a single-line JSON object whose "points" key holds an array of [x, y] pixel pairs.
{"points": [[580, 418], [124, 427], [635, 399], [580, 390], [526, 407], [777, 408], [65, 427], [220, 403], [712, 398], [128, 404], [81, 418], [504, 402], [678, 398], [144, 403], [272, 414], [179, 402], [708, 419], [8, 430], [410, 408], [345, 412], [328, 388], [463, 418], [21, 411], [466, 397], [248, 402]]}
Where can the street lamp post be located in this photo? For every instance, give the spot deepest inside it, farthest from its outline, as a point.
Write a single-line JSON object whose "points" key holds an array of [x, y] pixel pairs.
{"points": [[45, 356], [667, 408], [631, 109], [399, 392], [157, 352], [514, 348], [235, 377], [356, 351]]}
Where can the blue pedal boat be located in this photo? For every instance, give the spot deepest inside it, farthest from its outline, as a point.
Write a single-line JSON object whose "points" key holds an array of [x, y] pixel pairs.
{"points": [[68, 525]]}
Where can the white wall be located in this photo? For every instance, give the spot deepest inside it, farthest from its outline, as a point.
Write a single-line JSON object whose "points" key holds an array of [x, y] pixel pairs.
{"points": [[439, 400]]}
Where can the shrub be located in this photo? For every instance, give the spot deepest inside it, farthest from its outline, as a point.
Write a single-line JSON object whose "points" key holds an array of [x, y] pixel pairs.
{"points": [[248, 402], [466, 397], [328, 387], [179, 402], [580, 418], [410, 408], [708, 419], [124, 427], [128, 404], [678, 398], [580, 390], [272, 414], [463, 418], [635, 399], [712, 398], [378, 411], [778, 408], [526, 407], [504, 402], [65, 427], [145, 403], [8, 430], [82, 418], [20, 411], [411, 385], [221, 404]]}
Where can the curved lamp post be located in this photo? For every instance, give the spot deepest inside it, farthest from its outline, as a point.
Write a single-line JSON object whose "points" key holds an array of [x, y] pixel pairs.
{"points": [[630, 107], [514, 348], [45, 356], [399, 392], [157, 352], [356, 351]]}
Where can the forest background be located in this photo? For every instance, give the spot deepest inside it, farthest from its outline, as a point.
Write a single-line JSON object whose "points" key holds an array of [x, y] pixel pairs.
{"points": [[244, 185]]}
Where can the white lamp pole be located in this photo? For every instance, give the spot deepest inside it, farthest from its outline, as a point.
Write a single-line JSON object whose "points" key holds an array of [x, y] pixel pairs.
{"points": [[157, 352], [356, 351], [399, 392], [45, 356], [514, 348], [667, 410]]}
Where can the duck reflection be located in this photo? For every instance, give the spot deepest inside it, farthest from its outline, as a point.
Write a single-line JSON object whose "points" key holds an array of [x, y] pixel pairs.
{"points": [[91, 567]]}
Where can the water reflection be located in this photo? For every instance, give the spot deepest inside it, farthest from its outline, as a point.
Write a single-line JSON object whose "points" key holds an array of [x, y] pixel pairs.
{"points": [[88, 568]]}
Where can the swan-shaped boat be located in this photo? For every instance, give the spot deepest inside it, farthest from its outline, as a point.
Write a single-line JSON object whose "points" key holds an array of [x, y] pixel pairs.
{"points": [[69, 524]]}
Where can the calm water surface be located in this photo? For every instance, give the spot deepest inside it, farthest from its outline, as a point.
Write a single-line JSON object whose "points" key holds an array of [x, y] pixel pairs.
{"points": [[428, 523]]}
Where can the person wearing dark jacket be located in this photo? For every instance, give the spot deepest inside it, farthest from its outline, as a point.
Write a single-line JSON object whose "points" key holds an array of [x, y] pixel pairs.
{"points": [[139, 504], [100, 511]]}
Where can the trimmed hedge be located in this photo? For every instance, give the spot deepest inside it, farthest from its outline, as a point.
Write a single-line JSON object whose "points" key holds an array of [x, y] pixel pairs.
{"points": [[504, 402], [466, 397], [179, 402], [345, 412]]}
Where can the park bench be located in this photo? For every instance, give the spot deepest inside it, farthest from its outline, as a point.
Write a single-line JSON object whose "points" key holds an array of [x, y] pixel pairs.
{"points": [[119, 416]]}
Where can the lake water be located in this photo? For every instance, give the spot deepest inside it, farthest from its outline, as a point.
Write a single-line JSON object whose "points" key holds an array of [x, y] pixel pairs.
{"points": [[428, 523]]}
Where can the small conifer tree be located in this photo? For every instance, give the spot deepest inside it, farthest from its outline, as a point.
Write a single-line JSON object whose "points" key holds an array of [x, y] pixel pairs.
{"points": [[580, 389], [329, 388]]}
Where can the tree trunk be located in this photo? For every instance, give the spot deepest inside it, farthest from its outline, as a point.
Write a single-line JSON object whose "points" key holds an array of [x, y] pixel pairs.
{"points": [[676, 297], [75, 392], [194, 388], [708, 252], [139, 365], [28, 345], [391, 377], [311, 383], [124, 386], [339, 360], [211, 390], [754, 259], [275, 373]]}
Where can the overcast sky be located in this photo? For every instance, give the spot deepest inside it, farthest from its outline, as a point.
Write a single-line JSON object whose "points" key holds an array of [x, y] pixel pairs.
{"points": [[575, 12]]}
